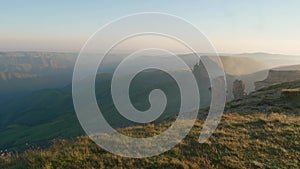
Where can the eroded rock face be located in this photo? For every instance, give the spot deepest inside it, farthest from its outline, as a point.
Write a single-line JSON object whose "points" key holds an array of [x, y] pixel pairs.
{"points": [[278, 76], [203, 81], [238, 89]]}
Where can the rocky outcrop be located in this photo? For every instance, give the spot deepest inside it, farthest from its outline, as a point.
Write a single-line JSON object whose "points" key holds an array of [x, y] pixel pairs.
{"points": [[238, 89], [283, 97], [278, 76], [203, 81]]}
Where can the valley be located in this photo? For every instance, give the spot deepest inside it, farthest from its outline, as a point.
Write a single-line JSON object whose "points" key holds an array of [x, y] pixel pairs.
{"points": [[40, 122]]}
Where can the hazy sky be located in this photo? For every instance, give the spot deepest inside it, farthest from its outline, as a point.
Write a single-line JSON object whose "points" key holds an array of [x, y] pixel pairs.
{"points": [[233, 26]]}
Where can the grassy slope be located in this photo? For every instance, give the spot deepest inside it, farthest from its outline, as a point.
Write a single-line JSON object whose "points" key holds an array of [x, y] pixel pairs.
{"points": [[259, 131], [241, 141]]}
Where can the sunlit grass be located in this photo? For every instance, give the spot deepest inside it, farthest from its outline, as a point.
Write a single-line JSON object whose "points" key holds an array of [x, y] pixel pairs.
{"points": [[256, 140]]}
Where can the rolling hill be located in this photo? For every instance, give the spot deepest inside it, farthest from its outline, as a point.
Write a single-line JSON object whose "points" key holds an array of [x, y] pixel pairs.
{"points": [[53, 108], [238, 66]]}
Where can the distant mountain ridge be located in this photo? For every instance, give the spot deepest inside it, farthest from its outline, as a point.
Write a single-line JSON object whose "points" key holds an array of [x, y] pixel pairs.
{"points": [[21, 65], [24, 72]]}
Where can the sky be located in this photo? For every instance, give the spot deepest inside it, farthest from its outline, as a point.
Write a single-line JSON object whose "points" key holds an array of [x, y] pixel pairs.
{"points": [[232, 26]]}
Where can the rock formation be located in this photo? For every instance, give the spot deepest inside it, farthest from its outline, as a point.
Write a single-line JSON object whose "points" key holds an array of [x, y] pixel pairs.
{"points": [[278, 76], [238, 89]]}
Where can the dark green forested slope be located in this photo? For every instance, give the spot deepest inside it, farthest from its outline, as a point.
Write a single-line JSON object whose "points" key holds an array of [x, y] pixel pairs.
{"points": [[47, 114]]}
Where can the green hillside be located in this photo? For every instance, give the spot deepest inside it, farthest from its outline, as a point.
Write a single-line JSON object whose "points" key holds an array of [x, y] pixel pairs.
{"points": [[22, 137], [242, 140], [46, 114], [258, 131]]}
